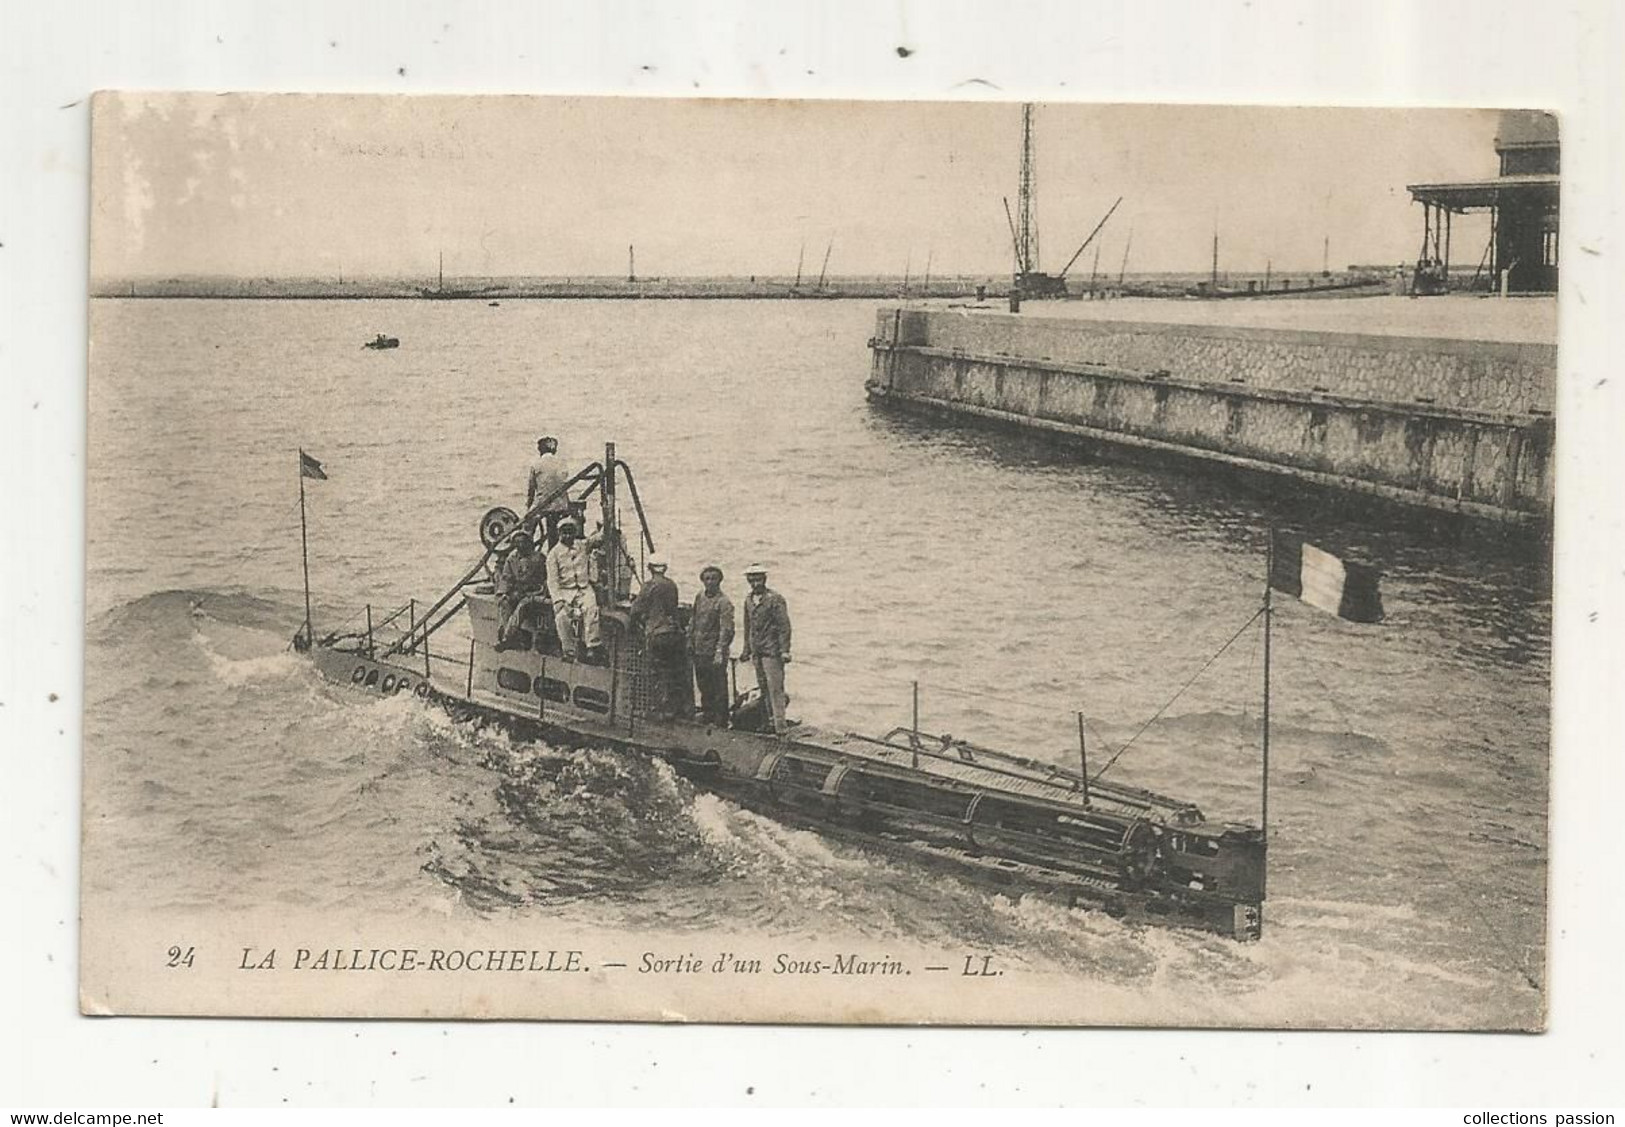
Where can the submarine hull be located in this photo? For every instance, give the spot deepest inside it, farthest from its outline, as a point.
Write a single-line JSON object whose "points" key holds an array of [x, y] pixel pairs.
{"points": [[985, 816]]}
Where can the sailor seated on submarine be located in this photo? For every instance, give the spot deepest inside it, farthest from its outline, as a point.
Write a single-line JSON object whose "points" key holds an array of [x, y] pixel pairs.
{"points": [[575, 598], [521, 587]]}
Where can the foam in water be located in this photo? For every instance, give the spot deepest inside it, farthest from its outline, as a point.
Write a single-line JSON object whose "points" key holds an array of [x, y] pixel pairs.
{"points": [[236, 672], [742, 834]]}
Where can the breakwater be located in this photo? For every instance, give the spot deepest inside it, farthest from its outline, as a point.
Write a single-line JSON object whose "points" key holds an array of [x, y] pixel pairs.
{"points": [[1452, 425], [525, 289], [883, 287]]}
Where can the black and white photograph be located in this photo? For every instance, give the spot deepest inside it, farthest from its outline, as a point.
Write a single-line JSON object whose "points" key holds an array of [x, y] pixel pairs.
{"points": [[957, 562]]}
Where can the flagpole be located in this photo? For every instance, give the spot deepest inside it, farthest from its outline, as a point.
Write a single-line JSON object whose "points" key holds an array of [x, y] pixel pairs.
{"points": [[304, 551], [1269, 572]]}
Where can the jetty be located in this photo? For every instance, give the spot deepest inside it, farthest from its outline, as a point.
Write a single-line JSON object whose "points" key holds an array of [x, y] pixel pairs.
{"points": [[1443, 405]]}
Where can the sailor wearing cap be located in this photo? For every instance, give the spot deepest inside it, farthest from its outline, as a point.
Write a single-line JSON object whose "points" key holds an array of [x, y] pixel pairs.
{"points": [[547, 484], [521, 583], [655, 610], [569, 581], [767, 641], [710, 637]]}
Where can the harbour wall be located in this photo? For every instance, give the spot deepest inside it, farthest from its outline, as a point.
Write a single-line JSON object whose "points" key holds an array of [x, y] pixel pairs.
{"points": [[1455, 425]]}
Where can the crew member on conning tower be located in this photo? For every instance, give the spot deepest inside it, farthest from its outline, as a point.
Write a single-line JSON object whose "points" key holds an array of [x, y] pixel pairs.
{"points": [[521, 587], [569, 582], [547, 479]]}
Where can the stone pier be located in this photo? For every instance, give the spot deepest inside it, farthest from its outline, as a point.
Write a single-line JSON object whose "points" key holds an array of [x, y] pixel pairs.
{"points": [[1447, 424]]}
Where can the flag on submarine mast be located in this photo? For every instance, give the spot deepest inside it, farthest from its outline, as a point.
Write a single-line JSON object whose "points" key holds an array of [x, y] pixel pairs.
{"points": [[1343, 587], [311, 468]]}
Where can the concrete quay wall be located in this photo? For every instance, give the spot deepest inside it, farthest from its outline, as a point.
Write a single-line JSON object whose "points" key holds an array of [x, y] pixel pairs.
{"points": [[1478, 375], [1440, 424]]}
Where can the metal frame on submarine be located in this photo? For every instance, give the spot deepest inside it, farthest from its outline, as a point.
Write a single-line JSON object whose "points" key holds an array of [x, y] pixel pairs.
{"points": [[984, 814]]}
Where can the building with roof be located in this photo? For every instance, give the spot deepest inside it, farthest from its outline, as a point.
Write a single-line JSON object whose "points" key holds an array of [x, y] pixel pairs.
{"points": [[1523, 206]]}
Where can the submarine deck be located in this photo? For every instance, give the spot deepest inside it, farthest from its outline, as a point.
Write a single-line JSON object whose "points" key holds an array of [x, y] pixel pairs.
{"points": [[960, 765]]}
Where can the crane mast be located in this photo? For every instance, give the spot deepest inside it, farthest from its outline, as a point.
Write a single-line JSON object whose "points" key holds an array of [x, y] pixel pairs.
{"points": [[1030, 281], [1026, 227]]}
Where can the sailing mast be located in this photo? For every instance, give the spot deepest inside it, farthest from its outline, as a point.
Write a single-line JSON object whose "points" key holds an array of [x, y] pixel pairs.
{"points": [[825, 269], [800, 255]]}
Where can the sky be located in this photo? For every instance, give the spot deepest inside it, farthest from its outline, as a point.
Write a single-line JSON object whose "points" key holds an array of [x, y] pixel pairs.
{"points": [[301, 186]]}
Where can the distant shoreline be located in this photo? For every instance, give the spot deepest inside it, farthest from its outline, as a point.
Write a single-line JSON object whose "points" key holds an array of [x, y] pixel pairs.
{"points": [[571, 295], [693, 289]]}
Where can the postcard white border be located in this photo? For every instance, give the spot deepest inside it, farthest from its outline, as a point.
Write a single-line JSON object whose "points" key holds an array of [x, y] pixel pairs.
{"points": [[1394, 53]]}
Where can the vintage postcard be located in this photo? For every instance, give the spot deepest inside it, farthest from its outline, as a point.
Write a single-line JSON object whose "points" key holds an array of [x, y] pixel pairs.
{"points": [[765, 561]]}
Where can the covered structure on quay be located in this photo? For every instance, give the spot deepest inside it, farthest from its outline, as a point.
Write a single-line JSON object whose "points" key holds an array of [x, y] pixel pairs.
{"points": [[1522, 201]]}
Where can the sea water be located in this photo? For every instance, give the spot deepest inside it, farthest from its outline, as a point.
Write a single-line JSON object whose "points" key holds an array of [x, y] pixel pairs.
{"points": [[1017, 585]]}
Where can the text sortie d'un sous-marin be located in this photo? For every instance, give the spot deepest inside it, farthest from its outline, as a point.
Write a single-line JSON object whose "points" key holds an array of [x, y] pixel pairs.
{"points": [[554, 961]]}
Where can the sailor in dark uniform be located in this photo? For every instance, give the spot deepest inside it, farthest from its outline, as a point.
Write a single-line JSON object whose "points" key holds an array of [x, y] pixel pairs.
{"points": [[767, 642], [656, 612], [710, 637], [521, 585]]}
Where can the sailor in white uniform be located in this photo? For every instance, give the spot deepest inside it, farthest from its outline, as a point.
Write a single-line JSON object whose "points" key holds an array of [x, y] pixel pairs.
{"points": [[569, 583]]}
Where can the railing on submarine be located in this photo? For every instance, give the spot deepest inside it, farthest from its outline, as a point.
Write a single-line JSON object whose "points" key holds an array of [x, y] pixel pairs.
{"points": [[1035, 771], [443, 609], [1126, 836], [1118, 846]]}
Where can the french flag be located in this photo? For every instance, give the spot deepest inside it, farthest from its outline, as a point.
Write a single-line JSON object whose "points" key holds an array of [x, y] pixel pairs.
{"points": [[1346, 589]]}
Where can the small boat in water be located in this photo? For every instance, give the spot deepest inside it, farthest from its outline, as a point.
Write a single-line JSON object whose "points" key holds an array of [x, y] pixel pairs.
{"points": [[381, 341], [988, 815]]}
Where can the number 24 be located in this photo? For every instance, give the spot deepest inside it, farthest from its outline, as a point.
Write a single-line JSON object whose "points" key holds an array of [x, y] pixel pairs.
{"points": [[179, 957]]}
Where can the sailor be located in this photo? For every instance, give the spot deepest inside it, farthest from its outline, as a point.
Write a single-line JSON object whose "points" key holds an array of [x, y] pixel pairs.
{"points": [[710, 637], [569, 581], [655, 610], [521, 586], [767, 641], [546, 483]]}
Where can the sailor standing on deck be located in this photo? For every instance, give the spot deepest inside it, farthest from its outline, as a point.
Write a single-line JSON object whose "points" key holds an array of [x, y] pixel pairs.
{"points": [[547, 479], [569, 582], [655, 610], [710, 637], [767, 641]]}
